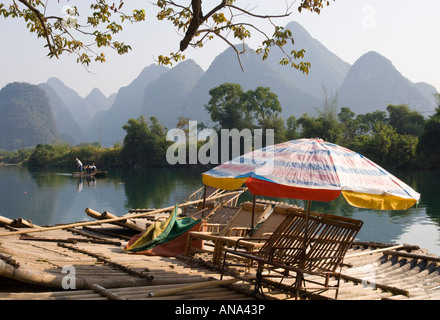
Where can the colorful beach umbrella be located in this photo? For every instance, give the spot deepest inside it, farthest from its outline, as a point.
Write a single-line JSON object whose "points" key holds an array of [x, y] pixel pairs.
{"points": [[314, 170]]}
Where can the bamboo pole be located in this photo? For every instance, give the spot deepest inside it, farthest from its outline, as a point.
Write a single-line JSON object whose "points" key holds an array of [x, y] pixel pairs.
{"points": [[89, 223], [107, 215], [106, 293], [193, 287], [367, 252], [22, 223], [5, 221], [376, 285], [35, 277], [412, 256]]}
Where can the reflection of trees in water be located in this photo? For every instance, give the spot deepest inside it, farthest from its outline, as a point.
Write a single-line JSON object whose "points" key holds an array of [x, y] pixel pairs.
{"points": [[159, 187], [47, 177], [22, 197], [427, 183]]}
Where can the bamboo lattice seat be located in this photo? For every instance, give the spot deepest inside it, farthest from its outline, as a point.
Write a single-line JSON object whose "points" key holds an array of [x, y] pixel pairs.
{"points": [[311, 260], [220, 214], [240, 221], [208, 206], [244, 236]]}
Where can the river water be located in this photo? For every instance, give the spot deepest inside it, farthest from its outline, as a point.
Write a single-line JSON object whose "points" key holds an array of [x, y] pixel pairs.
{"points": [[48, 197]]}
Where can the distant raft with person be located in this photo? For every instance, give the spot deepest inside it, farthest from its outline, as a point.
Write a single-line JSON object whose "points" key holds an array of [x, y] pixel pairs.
{"points": [[88, 171], [97, 174]]}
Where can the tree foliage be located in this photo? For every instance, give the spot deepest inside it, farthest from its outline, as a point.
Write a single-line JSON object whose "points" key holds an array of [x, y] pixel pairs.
{"points": [[326, 126], [429, 143], [69, 32], [62, 155], [406, 121], [82, 31], [230, 107], [144, 144], [41, 156], [226, 106], [229, 22], [379, 135]]}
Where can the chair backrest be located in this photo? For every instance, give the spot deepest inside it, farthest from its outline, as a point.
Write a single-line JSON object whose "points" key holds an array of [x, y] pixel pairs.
{"points": [[223, 215], [275, 218], [290, 237], [329, 238], [243, 217], [329, 246]]}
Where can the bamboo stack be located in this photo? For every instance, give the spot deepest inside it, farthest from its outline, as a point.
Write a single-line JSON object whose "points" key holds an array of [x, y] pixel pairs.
{"points": [[130, 224], [5, 221]]}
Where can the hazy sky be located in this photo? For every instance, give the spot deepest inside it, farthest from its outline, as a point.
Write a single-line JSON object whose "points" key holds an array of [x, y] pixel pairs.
{"points": [[404, 31]]}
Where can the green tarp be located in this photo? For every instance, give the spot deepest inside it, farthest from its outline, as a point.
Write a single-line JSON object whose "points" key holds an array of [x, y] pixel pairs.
{"points": [[161, 232]]}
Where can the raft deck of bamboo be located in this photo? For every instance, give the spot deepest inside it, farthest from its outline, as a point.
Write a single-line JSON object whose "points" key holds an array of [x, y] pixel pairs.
{"points": [[88, 262]]}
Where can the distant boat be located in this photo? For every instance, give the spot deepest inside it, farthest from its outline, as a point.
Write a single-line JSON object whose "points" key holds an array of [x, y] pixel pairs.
{"points": [[96, 174]]}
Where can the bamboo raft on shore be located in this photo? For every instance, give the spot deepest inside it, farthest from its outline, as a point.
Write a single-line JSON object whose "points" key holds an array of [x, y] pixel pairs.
{"points": [[89, 263], [85, 260]]}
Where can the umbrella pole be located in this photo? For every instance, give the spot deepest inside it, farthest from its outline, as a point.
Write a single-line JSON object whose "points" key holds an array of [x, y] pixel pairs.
{"points": [[306, 231], [253, 215], [204, 197]]}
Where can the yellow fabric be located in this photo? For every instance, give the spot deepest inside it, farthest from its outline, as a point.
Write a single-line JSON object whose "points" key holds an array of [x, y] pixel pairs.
{"points": [[223, 183], [377, 201]]}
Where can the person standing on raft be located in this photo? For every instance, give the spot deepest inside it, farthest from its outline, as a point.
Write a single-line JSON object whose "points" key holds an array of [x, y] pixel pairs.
{"points": [[79, 165]]}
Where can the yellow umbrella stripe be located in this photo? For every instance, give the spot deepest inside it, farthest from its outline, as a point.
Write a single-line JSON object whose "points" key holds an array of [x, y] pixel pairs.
{"points": [[223, 183], [378, 201]]}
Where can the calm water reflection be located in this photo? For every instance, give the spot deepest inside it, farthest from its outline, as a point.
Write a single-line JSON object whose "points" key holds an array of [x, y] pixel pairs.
{"points": [[52, 196]]}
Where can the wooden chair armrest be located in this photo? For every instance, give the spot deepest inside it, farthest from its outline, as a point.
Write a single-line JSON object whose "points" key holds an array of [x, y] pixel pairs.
{"points": [[240, 231], [214, 224], [248, 240], [211, 227]]}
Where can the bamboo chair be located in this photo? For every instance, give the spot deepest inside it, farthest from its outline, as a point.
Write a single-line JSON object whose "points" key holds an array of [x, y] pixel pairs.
{"points": [[244, 238], [224, 207], [216, 212], [200, 210], [238, 222], [311, 260]]}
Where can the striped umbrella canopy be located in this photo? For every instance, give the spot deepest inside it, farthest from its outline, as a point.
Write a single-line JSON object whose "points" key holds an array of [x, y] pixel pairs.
{"points": [[313, 170]]}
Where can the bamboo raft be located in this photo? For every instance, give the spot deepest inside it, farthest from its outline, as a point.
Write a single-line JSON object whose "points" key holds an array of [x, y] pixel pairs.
{"points": [[89, 263], [86, 261], [97, 174]]}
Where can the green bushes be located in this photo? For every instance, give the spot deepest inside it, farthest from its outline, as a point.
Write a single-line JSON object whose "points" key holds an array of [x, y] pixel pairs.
{"points": [[15, 157], [63, 156], [145, 145]]}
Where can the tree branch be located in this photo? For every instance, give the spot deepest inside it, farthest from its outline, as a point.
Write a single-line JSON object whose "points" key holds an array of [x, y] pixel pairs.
{"points": [[41, 19]]}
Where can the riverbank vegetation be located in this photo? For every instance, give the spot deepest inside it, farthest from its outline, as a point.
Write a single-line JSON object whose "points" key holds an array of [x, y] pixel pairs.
{"points": [[398, 138]]}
